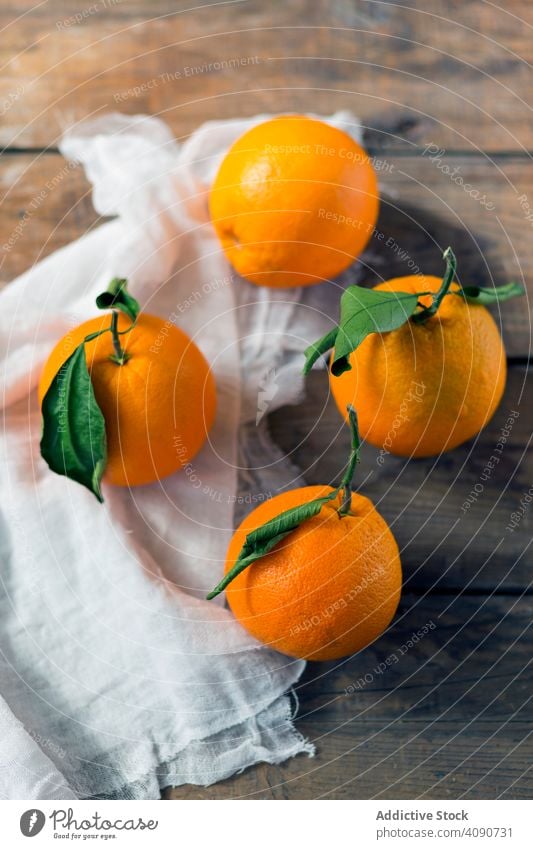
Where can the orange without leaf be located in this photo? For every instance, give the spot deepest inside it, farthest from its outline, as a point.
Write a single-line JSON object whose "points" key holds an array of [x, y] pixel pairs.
{"points": [[426, 387], [158, 406], [294, 202]]}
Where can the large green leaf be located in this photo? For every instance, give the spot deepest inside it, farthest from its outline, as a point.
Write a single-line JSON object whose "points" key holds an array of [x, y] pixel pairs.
{"points": [[73, 441], [365, 311], [117, 297], [490, 294]]}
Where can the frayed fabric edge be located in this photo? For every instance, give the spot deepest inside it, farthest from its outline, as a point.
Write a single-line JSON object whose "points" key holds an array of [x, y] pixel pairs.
{"points": [[294, 743]]}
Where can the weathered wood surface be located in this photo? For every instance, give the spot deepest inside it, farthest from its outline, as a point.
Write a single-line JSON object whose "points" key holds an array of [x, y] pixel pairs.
{"points": [[413, 760], [450, 72], [451, 717]]}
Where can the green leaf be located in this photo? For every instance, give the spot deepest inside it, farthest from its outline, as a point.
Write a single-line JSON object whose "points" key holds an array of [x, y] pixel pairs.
{"points": [[117, 297], [317, 349], [73, 441], [490, 294], [365, 311], [264, 539], [283, 524]]}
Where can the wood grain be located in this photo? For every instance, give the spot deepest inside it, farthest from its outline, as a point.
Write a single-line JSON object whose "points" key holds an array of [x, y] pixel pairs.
{"points": [[368, 761], [45, 205], [453, 73]]}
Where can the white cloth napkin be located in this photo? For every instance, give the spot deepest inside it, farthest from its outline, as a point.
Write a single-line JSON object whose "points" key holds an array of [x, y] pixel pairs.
{"points": [[117, 677]]}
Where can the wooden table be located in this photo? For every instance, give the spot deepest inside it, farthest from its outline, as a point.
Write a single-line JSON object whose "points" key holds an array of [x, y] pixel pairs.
{"points": [[451, 718]]}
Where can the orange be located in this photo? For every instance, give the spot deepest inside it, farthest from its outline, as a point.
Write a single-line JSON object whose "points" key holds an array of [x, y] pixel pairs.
{"points": [[294, 202], [325, 591], [157, 407], [426, 388]]}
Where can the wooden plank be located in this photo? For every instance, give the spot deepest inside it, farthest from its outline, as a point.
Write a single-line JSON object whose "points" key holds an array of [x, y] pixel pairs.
{"points": [[46, 203], [447, 719], [405, 761], [443, 543], [451, 657], [422, 211], [457, 75]]}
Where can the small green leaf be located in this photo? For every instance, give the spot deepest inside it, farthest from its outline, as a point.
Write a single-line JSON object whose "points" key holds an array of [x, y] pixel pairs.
{"points": [[264, 539], [317, 349], [490, 294], [365, 311], [117, 297], [286, 522], [73, 441]]}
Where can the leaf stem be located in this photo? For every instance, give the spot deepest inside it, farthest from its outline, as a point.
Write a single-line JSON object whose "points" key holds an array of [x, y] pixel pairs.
{"points": [[120, 356], [449, 274], [346, 483], [264, 538]]}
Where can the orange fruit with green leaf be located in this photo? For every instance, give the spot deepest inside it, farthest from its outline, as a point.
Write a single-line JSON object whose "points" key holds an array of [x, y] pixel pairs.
{"points": [[421, 359], [130, 399], [314, 572], [294, 202]]}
